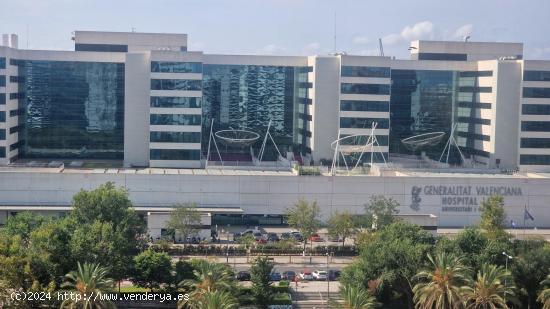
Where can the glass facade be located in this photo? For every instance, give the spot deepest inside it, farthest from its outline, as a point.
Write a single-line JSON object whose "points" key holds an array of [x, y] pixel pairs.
{"points": [[363, 123], [351, 88], [535, 142], [2, 134], [101, 48], [422, 101], [535, 109], [535, 126], [248, 97], [536, 76], [534, 159], [176, 84], [364, 106], [2, 152], [353, 71], [2, 98], [442, 56], [73, 109], [176, 102], [2, 63], [176, 67], [2, 81], [2, 116], [175, 119], [175, 137], [174, 154], [534, 92]]}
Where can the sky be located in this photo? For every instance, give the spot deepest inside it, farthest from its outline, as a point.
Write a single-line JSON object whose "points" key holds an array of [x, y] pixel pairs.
{"points": [[286, 27]]}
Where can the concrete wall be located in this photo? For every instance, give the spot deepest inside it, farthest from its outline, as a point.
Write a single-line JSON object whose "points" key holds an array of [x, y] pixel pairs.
{"points": [[272, 194]]}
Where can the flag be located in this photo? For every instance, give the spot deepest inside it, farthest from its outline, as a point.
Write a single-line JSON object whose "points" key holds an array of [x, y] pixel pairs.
{"points": [[527, 215]]}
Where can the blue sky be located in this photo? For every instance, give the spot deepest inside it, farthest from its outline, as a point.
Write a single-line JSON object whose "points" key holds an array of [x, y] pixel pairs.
{"points": [[286, 27]]}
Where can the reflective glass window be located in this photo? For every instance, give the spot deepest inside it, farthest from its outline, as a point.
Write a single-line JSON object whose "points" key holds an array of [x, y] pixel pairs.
{"points": [[475, 105], [476, 89], [2, 63], [175, 102], [175, 137], [176, 84], [534, 92], [176, 67], [535, 126], [2, 116], [2, 81], [2, 152], [535, 142], [175, 119], [2, 134], [534, 159], [2, 98], [101, 48], [357, 71], [174, 154], [536, 76], [372, 106], [475, 73], [442, 56], [352, 88], [535, 109], [73, 109], [357, 122], [474, 120]]}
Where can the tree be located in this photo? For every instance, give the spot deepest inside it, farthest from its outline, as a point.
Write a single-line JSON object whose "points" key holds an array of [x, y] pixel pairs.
{"points": [[210, 300], [184, 220], [529, 267], [380, 211], [152, 269], [305, 218], [493, 216], [390, 257], [23, 224], [209, 277], [441, 287], [544, 296], [261, 284], [88, 279], [247, 240], [285, 245], [342, 225], [183, 271], [355, 297], [489, 289]]}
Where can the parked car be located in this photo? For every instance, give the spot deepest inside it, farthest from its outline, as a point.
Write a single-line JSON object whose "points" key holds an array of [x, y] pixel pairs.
{"points": [[334, 275], [316, 238], [261, 241], [272, 237], [319, 275], [297, 236], [257, 235], [275, 276], [285, 236], [243, 233], [243, 276], [306, 275], [335, 238], [289, 275]]}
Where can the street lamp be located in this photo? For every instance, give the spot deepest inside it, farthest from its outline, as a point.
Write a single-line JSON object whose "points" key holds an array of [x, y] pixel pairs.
{"points": [[328, 278], [506, 267]]}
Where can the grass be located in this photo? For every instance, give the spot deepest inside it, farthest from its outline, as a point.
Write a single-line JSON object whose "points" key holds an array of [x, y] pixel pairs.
{"points": [[133, 289]]}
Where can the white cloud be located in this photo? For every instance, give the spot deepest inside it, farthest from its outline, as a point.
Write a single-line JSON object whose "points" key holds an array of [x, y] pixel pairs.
{"points": [[198, 46], [315, 46], [271, 49], [361, 40], [463, 31], [420, 30]]}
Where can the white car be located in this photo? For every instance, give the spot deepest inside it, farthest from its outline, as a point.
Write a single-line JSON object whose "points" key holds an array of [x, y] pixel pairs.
{"points": [[320, 275], [306, 275]]}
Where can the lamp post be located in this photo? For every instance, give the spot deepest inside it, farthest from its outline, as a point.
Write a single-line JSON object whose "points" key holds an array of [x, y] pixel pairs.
{"points": [[506, 267], [328, 279]]}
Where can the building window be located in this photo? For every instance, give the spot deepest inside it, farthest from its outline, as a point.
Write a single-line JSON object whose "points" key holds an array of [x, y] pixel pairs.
{"points": [[101, 48], [534, 92], [365, 106], [536, 76], [16, 96], [363, 123], [2, 63], [534, 159], [442, 56], [477, 136], [175, 137], [2, 98], [475, 89], [535, 109], [356, 71], [2, 134], [474, 120], [349, 88], [2, 116], [535, 143], [176, 67], [176, 84], [2, 81], [476, 73], [475, 105], [174, 154], [2, 152], [383, 140], [175, 102], [175, 119], [535, 126]]}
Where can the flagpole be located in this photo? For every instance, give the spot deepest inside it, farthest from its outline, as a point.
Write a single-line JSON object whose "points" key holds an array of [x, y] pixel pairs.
{"points": [[524, 227]]}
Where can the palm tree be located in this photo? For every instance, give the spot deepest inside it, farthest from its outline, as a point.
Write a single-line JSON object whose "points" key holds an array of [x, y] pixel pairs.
{"points": [[490, 289], [209, 277], [544, 296], [355, 297], [441, 287], [211, 300], [89, 281]]}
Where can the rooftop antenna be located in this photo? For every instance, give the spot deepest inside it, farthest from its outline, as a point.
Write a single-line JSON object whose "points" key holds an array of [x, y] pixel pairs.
{"points": [[381, 47]]}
